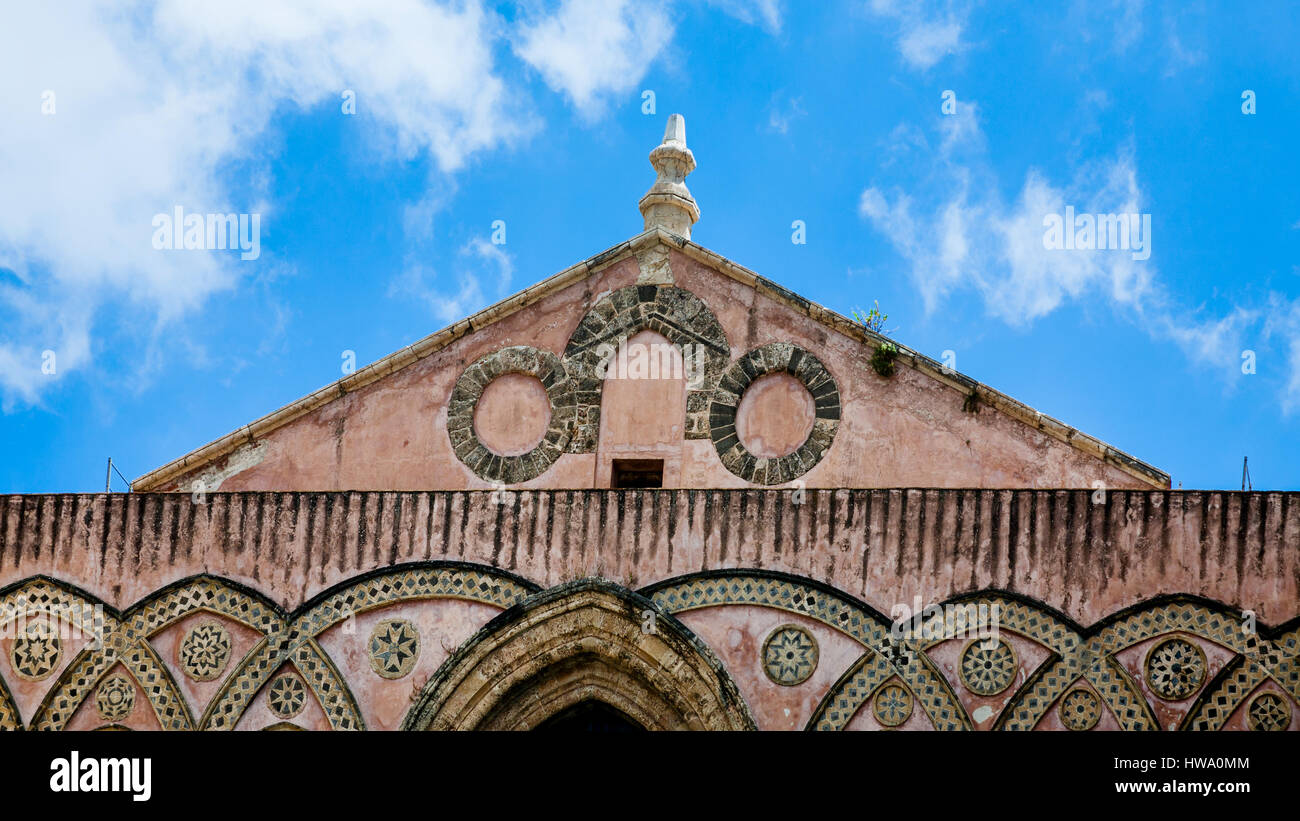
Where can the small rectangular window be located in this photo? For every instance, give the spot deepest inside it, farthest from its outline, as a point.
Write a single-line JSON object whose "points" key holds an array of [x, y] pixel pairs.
{"points": [[630, 473]]}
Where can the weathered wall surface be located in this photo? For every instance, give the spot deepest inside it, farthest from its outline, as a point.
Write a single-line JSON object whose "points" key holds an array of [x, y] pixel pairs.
{"points": [[397, 610], [906, 431], [881, 546]]}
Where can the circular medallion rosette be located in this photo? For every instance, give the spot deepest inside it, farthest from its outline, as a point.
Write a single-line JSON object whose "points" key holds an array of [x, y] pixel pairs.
{"points": [[892, 705], [287, 696], [394, 647], [205, 651], [1080, 709], [1175, 669], [1269, 711], [789, 655], [115, 698], [988, 666], [35, 654]]}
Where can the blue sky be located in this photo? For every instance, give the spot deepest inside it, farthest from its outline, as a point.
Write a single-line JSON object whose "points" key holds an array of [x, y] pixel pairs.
{"points": [[375, 226]]}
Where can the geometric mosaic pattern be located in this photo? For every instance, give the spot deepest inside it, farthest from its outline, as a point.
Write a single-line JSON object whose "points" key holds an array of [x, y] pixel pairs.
{"points": [[115, 698], [853, 690], [789, 655], [394, 647], [1269, 711], [36, 652], [1175, 669], [988, 666], [119, 657], [892, 705], [205, 651], [426, 580], [914, 669], [1079, 710], [1090, 654], [287, 696]]}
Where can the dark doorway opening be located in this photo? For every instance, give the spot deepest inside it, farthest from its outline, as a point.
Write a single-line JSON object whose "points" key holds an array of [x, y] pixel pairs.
{"points": [[632, 473], [591, 717]]}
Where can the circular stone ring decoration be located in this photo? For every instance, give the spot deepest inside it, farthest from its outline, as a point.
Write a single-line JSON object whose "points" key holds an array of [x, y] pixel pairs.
{"points": [[1175, 669], [35, 654], [287, 696], [1080, 710], [988, 666], [892, 705], [115, 698], [777, 357], [789, 655], [494, 467], [394, 647], [1268, 711], [205, 651]]}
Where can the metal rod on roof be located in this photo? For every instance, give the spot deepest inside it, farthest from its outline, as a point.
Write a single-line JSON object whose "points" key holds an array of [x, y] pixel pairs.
{"points": [[108, 476], [125, 480]]}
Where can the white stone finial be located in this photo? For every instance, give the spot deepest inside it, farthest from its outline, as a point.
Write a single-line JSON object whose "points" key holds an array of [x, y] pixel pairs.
{"points": [[669, 204]]}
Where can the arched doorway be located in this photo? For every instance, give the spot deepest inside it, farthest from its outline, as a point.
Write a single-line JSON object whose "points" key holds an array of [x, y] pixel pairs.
{"points": [[590, 717], [563, 652]]}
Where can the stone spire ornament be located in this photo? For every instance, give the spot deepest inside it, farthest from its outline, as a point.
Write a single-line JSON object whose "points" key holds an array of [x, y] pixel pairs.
{"points": [[669, 204]]}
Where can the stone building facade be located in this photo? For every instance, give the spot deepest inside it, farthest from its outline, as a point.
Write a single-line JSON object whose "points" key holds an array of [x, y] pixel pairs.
{"points": [[655, 490]]}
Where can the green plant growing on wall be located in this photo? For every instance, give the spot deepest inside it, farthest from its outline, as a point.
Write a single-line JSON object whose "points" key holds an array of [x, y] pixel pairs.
{"points": [[882, 361]]}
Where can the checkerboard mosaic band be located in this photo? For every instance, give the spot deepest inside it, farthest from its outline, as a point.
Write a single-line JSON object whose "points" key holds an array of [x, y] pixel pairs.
{"points": [[120, 645]]}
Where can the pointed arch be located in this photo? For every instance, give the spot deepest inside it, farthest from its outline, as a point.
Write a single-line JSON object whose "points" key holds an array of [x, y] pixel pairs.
{"points": [[583, 641], [675, 313]]}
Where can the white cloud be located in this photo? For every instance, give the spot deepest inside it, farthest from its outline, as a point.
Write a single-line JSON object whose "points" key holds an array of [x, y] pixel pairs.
{"points": [[927, 43], [496, 257], [421, 282], [765, 13], [956, 233], [926, 33], [590, 50], [781, 115], [154, 103]]}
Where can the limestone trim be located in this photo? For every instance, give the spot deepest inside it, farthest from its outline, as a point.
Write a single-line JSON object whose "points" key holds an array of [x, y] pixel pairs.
{"points": [[435, 342], [777, 357], [494, 467], [581, 640], [677, 314]]}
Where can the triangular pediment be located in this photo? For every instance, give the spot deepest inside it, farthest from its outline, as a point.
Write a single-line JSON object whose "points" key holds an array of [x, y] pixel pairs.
{"points": [[774, 390]]}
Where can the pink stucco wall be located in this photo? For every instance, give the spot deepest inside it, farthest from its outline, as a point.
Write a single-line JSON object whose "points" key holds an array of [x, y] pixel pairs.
{"points": [[906, 431], [1085, 559]]}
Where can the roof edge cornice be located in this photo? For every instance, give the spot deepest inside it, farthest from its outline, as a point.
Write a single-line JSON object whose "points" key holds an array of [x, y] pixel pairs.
{"points": [[438, 340]]}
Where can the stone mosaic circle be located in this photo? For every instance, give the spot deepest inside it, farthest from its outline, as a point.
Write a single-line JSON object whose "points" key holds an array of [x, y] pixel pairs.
{"points": [[1269, 711], [1080, 709], [892, 705], [205, 651], [789, 655], [115, 698], [988, 666], [287, 696], [394, 647], [35, 654], [1175, 669]]}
